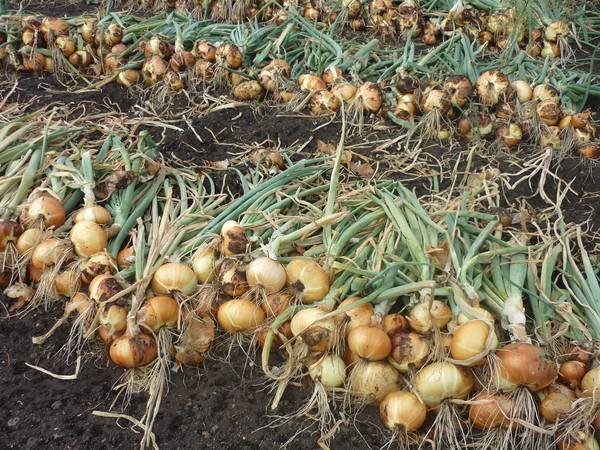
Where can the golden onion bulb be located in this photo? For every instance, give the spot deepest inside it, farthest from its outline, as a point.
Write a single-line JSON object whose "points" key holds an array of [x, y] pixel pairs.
{"points": [[29, 239], [131, 351], [549, 112], [203, 264], [543, 92], [47, 208], [489, 411], [357, 316], [307, 279], [441, 381], [65, 283], [88, 238], [317, 333], [47, 253], [112, 322], [572, 372], [195, 340], [523, 90], [240, 315], [472, 340], [369, 97], [394, 323], [369, 343], [98, 264], [174, 277], [323, 103], [113, 35], [590, 383], [96, 213], [232, 278], [329, 370], [311, 83], [401, 410], [248, 90], [103, 287], [126, 257], [205, 50], [373, 380], [234, 239], [128, 77], [522, 364], [409, 350], [491, 87], [266, 273], [274, 304], [423, 317], [556, 404], [345, 92], [229, 55], [159, 311], [460, 89]]}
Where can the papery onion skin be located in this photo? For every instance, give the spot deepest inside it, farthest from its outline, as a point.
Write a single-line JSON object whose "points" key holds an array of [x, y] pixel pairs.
{"points": [[96, 213], [424, 316], [266, 273], [112, 323], [572, 372], [369, 343], [126, 257], [590, 383], [441, 381], [330, 371], [554, 405], [65, 283], [88, 238], [409, 350], [232, 278], [174, 277], [401, 410], [195, 340], [358, 316], [523, 364], [234, 239], [47, 253], [9, 232], [29, 239], [276, 303], [240, 315], [373, 380], [129, 351], [394, 323], [317, 334], [307, 279], [470, 340], [159, 311], [103, 287], [491, 411], [49, 209], [99, 264]]}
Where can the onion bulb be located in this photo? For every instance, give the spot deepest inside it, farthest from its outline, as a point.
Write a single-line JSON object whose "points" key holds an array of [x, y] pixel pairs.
{"points": [[579, 440], [9, 232], [234, 239], [572, 372], [491, 87], [205, 50], [88, 238], [472, 340], [307, 279], [113, 35], [590, 383], [87, 30], [182, 61], [275, 304], [96, 213], [112, 322], [556, 404], [47, 253], [154, 70], [126, 257], [232, 278], [369, 343], [159, 311], [248, 90], [316, 333], [332, 75], [345, 92], [240, 315], [47, 208], [373, 380], [128, 77], [440, 381], [401, 410], [556, 30], [549, 112], [65, 283], [394, 323], [460, 89], [131, 351], [589, 151], [266, 273], [174, 277], [98, 264], [229, 55], [66, 44], [510, 135], [369, 97], [357, 316], [29, 239], [522, 364], [103, 287], [203, 264], [409, 350], [311, 83], [424, 316], [491, 411], [543, 92], [195, 340], [522, 89], [323, 103], [330, 371]]}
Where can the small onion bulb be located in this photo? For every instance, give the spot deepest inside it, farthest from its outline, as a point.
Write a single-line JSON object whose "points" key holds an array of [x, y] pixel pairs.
{"points": [[409, 350], [330, 371], [317, 334], [440, 381], [240, 315], [401, 410], [159, 311], [234, 239], [97, 214], [424, 316], [491, 411], [174, 277], [307, 279], [131, 351], [369, 343], [266, 273], [203, 264]]}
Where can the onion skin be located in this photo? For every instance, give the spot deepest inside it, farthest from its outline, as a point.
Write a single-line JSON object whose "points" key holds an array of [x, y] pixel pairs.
{"points": [[470, 341], [571, 373], [126, 258], [402, 410], [359, 316], [524, 364], [409, 350], [373, 380], [442, 380], [307, 279], [113, 322], [103, 287], [159, 311], [491, 411], [234, 239], [65, 283], [195, 340], [49, 209], [97, 214], [129, 351], [330, 371], [276, 303], [9, 232], [47, 253], [315, 333], [424, 316], [29, 239], [232, 279], [88, 238], [369, 343], [266, 273], [174, 277], [240, 315], [590, 384], [394, 323], [556, 404]]}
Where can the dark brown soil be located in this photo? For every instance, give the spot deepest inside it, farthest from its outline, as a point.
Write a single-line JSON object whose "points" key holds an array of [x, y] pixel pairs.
{"points": [[213, 407]]}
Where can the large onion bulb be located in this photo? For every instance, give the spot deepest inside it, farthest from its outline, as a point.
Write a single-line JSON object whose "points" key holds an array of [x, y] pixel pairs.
{"points": [[88, 238], [522, 364], [174, 277], [159, 311], [442, 380], [424, 316], [316, 333], [369, 343], [266, 273], [373, 380], [491, 87], [491, 411], [307, 279], [401, 410], [240, 315], [472, 340], [47, 208], [130, 351], [330, 371]]}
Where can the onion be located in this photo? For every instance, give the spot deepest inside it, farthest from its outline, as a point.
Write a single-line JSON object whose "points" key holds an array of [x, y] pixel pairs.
{"points": [[157, 312], [113, 35], [409, 350], [346, 92], [510, 135], [65, 283], [317, 334], [357, 316], [126, 258], [203, 264], [579, 440], [232, 278], [550, 137], [234, 239], [556, 30], [47, 208], [323, 103], [51, 27], [475, 313], [35, 274], [195, 340], [182, 61], [572, 372], [266, 273], [9, 232], [459, 88], [205, 50], [440, 381], [174, 80], [549, 112], [66, 44], [88, 238], [311, 83], [332, 75], [590, 151], [103, 287], [20, 293], [523, 90], [112, 323], [174, 277], [96, 213], [47, 253], [204, 70], [330, 371], [436, 99], [401, 410], [491, 411], [370, 97], [423, 317], [128, 77], [154, 70], [556, 404], [394, 323], [590, 383], [369, 343], [406, 83], [273, 73], [307, 279], [29, 239], [248, 90], [81, 58], [229, 55], [472, 341], [87, 30], [276, 303], [373, 380], [240, 315], [522, 364], [491, 87], [543, 92], [131, 351]]}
